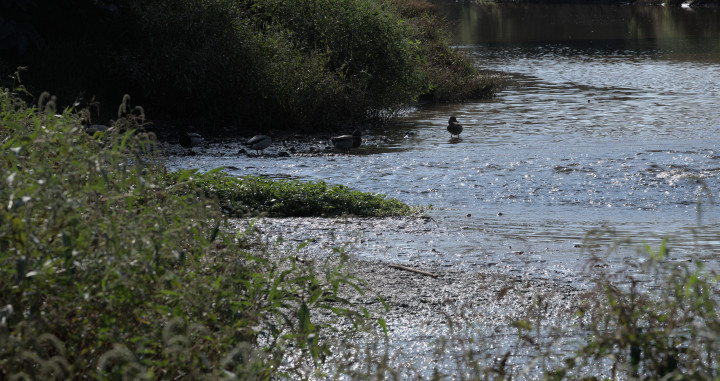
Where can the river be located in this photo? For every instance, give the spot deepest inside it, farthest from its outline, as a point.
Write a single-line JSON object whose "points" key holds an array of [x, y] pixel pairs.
{"points": [[610, 121]]}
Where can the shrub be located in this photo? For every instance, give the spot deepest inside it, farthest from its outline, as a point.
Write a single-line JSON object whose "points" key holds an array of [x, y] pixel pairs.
{"points": [[257, 64], [107, 272], [450, 74], [366, 43]]}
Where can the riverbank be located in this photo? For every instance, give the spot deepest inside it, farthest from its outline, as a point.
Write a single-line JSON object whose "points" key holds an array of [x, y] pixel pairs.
{"points": [[114, 273], [432, 313], [284, 145], [436, 313]]}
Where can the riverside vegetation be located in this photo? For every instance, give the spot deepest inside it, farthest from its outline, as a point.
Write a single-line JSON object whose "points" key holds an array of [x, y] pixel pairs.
{"points": [[250, 195], [256, 65], [111, 268], [114, 269]]}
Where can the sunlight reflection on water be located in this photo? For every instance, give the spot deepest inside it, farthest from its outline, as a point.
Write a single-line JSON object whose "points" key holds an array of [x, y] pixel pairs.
{"points": [[615, 140], [582, 138]]}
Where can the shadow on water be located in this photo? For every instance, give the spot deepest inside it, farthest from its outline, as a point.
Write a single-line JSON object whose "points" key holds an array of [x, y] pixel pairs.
{"points": [[598, 28]]}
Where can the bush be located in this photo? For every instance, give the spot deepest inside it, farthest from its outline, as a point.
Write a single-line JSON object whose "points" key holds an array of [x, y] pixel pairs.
{"points": [[450, 74], [107, 272], [257, 64], [366, 43]]}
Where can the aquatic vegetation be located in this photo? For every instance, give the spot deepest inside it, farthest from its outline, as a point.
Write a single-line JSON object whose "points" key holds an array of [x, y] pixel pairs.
{"points": [[251, 195]]}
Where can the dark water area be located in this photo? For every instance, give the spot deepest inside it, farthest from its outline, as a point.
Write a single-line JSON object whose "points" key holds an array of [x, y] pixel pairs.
{"points": [[610, 121], [602, 26]]}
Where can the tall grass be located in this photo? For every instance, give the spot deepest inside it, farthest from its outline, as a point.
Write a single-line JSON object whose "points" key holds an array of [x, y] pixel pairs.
{"points": [[107, 272], [657, 319]]}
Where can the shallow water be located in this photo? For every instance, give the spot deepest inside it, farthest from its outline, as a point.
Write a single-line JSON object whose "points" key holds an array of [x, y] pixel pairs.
{"points": [[616, 128]]}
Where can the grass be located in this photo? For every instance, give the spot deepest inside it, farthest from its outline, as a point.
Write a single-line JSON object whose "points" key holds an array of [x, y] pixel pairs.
{"points": [[251, 196], [657, 319]]}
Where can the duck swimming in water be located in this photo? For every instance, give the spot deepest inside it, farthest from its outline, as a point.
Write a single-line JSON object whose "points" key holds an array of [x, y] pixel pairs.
{"points": [[259, 143], [454, 127], [345, 142]]}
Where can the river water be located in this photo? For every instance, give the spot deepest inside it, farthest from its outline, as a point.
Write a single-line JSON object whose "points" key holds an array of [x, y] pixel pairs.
{"points": [[610, 121]]}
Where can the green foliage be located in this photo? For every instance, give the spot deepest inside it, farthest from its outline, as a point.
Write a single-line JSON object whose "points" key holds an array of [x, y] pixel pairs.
{"points": [[449, 74], [108, 272], [300, 63], [667, 328], [366, 44], [310, 64], [284, 198]]}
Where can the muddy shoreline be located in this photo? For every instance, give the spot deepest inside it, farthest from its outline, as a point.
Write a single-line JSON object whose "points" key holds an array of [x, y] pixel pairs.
{"points": [[417, 298], [423, 309], [433, 321], [427, 302]]}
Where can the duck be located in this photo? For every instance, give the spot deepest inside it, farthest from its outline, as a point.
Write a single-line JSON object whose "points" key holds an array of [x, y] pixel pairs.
{"points": [[345, 142], [259, 143], [454, 127], [190, 139], [93, 128]]}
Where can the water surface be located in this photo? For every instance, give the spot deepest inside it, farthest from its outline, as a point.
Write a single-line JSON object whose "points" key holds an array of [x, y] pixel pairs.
{"points": [[609, 121]]}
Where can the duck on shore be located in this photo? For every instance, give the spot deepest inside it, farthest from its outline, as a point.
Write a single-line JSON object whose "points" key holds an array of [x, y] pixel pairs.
{"points": [[190, 139], [345, 142], [454, 127], [259, 143]]}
